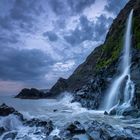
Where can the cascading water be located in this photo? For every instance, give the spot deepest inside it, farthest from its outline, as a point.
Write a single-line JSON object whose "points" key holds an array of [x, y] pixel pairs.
{"points": [[113, 98]]}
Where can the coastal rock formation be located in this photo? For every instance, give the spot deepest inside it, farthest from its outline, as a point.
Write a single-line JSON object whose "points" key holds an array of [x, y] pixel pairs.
{"points": [[32, 94], [6, 110]]}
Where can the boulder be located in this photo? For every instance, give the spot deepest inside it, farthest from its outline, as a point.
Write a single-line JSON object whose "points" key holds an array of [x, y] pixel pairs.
{"points": [[131, 112], [6, 110], [72, 129], [46, 125], [9, 136], [102, 131], [106, 113], [2, 130]]}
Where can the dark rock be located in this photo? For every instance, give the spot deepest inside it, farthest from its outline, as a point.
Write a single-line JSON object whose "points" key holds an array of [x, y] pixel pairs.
{"points": [[76, 128], [131, 112], [113, 111], [2, 130], [72, 129], [105, 113], [32, 94], [125, 111], [54, 138], [6, 110], [102, 131], [134, 131], [85, 95], [26, 137], [55, 110], [10, 135], [75, 139], [59, 87], [46, 125]]}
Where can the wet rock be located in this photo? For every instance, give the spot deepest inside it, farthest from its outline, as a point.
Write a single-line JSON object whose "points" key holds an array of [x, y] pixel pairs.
{"points": [[125, 111], [131, 112], [53, 138], [6, 110], [26, 138], [76, 128], [9, 136], [75, 139], [105, 113], [55, 110], [2, 130], [134, 131], [71, 130], [46, 125], [85, 95], [113, 111], [102, 131]]}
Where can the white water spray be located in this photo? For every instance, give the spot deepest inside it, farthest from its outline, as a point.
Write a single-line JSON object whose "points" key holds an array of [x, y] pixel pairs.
{"points": [[112, 98]]}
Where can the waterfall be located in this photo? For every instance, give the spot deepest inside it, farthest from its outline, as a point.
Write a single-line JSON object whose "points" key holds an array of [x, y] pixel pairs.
{"points": [[113, 96]]}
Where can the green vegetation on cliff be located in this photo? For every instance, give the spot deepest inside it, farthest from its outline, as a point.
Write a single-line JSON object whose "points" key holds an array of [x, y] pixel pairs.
{"points": [[111, 50], [136, 26]]}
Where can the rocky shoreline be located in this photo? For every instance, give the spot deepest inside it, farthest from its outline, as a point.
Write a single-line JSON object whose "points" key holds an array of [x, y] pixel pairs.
{"points": [[91, 130]]}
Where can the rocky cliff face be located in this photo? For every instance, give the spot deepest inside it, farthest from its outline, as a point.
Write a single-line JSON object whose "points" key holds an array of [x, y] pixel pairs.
{"points": [[91, 79]]}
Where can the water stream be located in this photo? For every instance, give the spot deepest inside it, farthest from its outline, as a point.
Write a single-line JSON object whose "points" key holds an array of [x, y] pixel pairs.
{"points": [[115, 92]]}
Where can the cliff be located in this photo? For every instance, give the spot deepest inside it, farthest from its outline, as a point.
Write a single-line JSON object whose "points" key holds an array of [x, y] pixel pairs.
{"points": [[91, 79]]}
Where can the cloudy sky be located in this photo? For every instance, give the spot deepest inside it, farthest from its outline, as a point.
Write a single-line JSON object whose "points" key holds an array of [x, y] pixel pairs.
{"points": [[42, 40]]}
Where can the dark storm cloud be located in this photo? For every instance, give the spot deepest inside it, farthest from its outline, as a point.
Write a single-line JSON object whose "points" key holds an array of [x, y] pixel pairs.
{"points": [[58, 6], [22, 14], [83, 32], [11, 39], [22, 65], [89, 30], [51, 35], [69, 6], [6, 23], [24, 10], [115, 6], [5, 7]]}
